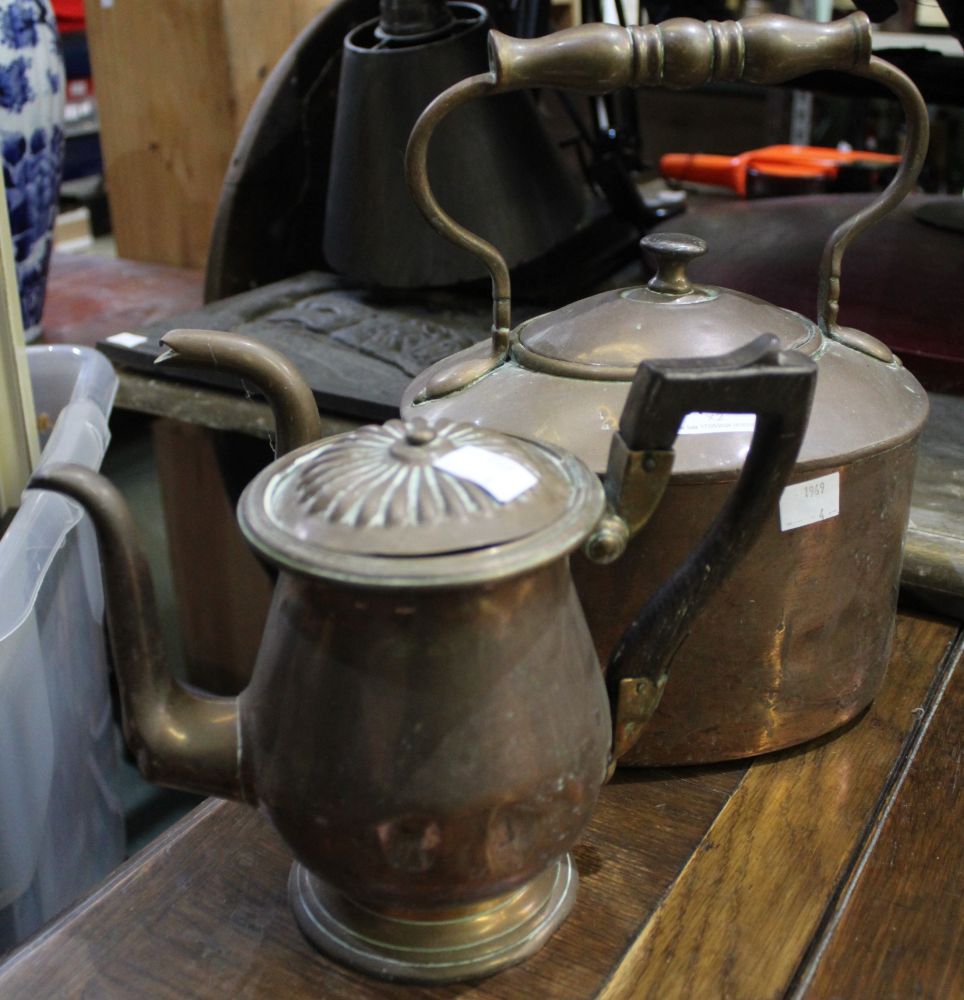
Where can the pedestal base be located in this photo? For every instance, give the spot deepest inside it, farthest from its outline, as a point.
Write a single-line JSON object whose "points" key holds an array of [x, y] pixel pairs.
{"points": [[443, 946]]}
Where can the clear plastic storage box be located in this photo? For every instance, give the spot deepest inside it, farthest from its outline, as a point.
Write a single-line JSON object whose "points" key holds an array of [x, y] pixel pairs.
{"points": [[61, 823]]}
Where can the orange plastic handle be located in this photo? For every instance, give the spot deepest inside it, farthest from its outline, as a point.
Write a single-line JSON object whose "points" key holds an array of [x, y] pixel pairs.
{"points": [[778, 161]]}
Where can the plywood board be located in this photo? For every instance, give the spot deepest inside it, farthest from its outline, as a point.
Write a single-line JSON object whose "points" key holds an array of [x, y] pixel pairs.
{"points": [[174, 82]]}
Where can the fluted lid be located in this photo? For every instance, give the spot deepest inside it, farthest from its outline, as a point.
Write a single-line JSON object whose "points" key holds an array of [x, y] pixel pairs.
{"points": [[392, 500]]}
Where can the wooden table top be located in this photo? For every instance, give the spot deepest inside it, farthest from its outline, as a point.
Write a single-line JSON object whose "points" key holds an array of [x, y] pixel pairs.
{"points": [[831, 870], [90, 296]]}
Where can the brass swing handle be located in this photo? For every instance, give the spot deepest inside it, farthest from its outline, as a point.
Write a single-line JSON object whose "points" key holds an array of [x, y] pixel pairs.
{"points": [[678, 53]]}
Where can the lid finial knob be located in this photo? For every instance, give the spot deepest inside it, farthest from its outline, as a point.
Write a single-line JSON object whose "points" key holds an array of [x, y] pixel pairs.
{"points": [[418, 432], [672, 252]]}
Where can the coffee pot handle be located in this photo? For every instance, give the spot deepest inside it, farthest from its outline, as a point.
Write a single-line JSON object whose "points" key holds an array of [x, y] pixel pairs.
{"points": [[678, 53], [758, 378]]}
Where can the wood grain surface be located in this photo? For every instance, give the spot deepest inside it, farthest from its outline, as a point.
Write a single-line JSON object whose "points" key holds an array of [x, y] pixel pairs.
{"points": [[899, 931], [175, 81], [709, 882], [742, 913], [257, 34], [224, 594], [203, 913]]}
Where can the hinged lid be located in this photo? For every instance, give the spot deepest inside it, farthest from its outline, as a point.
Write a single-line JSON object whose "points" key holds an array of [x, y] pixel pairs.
{"points": [[606, 336], [567, 373], [393, 500]]}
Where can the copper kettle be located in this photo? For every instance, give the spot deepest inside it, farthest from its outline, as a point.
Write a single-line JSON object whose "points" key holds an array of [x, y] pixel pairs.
{"points": [[427, 725], [796, 641]]}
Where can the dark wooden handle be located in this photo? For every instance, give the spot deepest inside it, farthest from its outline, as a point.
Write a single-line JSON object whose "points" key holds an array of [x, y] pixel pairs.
{"points": [[778, 387]]}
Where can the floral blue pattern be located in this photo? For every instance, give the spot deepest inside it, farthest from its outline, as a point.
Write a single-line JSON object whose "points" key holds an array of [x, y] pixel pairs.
{"points": [[18, 23], [15, 89], [31, 142]]}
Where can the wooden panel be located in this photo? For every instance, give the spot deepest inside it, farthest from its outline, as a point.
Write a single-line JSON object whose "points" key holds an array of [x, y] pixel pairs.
{"points": [[174, 82], [741, 916], [222, 590], [167, 122], [257, 34], [900, 932]]}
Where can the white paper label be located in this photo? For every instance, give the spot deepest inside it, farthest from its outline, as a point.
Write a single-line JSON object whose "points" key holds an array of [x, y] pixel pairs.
{"points": [[717, 423], [127, 339], [500, 476], [810, 502]]}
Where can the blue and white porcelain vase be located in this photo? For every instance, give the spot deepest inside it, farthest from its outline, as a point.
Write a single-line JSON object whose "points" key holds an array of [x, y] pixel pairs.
{"points": [[32, 141]]}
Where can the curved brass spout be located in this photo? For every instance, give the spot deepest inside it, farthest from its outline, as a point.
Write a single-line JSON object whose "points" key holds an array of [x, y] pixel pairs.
{"points": [[279, 381], [181, 738]]}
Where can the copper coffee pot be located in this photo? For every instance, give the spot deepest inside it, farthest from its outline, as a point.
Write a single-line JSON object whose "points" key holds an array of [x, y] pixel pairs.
{"points": [[427, 725]]}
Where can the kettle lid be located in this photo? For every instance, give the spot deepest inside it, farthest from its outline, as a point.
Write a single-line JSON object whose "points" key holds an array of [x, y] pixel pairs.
{"points": [[607, 335], [409, 502]]}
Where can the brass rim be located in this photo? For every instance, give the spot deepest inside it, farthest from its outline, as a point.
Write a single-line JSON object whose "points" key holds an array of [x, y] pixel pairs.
{"points": [[459, 943]]}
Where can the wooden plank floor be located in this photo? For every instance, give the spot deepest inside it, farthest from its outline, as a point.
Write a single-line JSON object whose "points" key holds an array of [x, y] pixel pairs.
{"points": [[703, 882], [898, 930]]}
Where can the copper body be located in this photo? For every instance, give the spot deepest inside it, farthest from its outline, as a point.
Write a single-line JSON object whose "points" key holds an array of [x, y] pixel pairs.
{"points": [[780, 655], [444, 757], [416, 747], [796, 640], [427, 725], [428, 754]]}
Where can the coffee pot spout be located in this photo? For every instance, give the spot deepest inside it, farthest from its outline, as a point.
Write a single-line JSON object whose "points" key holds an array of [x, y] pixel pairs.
{"points": [[181, 738], [292, 402]]}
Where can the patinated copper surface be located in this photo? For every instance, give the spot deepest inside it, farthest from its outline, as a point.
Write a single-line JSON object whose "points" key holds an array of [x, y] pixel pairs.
{"points": [[430, 752], [427, 725], [794, 643], [562, 378], [442, 758], [180, 737]]}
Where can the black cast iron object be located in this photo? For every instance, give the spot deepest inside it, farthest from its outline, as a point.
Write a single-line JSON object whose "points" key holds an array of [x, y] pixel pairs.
{"points": [[495, 166]]}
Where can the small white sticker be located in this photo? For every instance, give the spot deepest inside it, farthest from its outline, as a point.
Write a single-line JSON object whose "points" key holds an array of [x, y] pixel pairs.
{"points": [[502, 477], [717, 423], [127, 339], [810, 502]]}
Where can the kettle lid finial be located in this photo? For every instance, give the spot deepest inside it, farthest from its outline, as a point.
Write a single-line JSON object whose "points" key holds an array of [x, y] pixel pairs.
{"points": [[672, 252]]}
